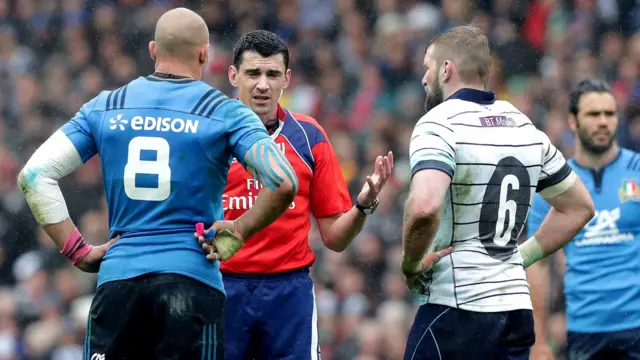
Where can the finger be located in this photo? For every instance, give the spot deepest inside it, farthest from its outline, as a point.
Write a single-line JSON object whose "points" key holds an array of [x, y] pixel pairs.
{"points": [[213, 256], [207, 248], [390, 156], [387, 167], [385, 170], [371, 184], [112, 241], [378, 166]]}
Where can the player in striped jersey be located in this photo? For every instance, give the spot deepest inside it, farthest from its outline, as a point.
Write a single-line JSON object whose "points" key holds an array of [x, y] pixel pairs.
{"points": [[476, 164]]}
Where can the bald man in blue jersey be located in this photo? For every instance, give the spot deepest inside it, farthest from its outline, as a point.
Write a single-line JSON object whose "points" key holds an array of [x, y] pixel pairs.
{"points": [[166, 142]]}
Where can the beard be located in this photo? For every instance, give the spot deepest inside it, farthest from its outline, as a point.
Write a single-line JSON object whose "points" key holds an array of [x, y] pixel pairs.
{"points": [[586, 140], [435, 96]]}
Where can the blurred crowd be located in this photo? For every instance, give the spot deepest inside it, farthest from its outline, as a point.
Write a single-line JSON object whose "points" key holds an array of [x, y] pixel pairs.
{"points": [[356, 65]]}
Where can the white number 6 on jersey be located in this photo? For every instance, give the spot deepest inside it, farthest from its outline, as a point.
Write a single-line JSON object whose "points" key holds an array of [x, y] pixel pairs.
{"points": [[159, 167], [501, 236]]}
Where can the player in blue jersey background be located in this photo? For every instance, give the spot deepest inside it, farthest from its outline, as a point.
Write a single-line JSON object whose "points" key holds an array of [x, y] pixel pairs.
{"points": [[165, 142], [601, 285]]}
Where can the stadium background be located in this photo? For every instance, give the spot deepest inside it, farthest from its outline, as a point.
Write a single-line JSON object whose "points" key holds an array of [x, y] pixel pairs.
{"points": [[356, 68]]}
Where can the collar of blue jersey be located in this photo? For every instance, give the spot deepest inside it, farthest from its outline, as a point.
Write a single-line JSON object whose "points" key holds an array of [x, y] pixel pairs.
{"points": [[574, 162], [473, 95]]}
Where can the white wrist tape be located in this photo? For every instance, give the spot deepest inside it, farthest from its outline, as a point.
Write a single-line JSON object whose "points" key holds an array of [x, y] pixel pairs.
{"points": [[38, 180], [531, 251]]}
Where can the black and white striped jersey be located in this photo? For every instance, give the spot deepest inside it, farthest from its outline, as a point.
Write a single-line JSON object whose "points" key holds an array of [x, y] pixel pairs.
{"points": [[497, 160]]}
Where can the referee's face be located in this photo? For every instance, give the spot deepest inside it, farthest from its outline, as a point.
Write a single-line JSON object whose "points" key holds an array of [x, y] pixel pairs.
{"points": [[596, 121], [260, 81]]}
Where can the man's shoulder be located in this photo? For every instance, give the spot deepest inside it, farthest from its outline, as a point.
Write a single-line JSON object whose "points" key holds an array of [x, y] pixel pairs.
{"points": [[310, 126]]}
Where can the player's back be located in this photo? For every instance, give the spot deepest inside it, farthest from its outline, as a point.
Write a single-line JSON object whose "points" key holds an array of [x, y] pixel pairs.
{"points": [[165, 148], [499, 161]]}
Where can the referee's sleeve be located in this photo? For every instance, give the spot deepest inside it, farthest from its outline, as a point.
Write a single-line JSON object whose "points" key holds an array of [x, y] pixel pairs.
{"points": [[554, 166], [432, 146]]}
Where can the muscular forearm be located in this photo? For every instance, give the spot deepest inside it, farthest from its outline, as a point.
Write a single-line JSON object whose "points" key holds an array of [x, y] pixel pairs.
{"points": [[538, 281], [269, 206], [418, 232], [344, 229], [558, 229]]}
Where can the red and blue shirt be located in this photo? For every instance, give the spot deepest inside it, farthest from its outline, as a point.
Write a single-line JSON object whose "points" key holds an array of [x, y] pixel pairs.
{"points": [[283, 245]]}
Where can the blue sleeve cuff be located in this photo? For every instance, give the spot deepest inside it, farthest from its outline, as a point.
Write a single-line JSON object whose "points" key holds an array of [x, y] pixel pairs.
{"points": [[433, 164]]}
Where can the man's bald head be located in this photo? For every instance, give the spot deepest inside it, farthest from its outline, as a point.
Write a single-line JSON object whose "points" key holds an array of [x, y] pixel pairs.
{"points": [[180, 33]]}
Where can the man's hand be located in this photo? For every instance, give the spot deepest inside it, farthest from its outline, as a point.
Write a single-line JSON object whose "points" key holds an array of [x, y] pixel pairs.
{"points": [[541, 351], [416, 272], [375, 182], [227, 240], [91, 262]]}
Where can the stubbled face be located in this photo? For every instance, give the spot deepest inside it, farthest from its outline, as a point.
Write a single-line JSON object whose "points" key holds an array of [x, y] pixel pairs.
{"points": [[260, 81], [431, 81], [596, 121]]}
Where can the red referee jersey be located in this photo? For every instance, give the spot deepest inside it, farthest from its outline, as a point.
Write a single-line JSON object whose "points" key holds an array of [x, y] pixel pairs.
{"points": [[283, 245]]}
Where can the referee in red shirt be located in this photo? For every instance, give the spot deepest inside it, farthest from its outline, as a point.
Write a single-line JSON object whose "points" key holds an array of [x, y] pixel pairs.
{"points": [[270, 309]]}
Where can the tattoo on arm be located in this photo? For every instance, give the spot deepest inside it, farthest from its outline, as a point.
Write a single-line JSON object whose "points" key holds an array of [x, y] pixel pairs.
{"points": [[270, 165]]}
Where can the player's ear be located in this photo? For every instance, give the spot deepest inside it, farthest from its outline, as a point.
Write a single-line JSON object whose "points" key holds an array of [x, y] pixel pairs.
{"points": [[152, 50], [233, 76], [203, 56], [573, 122], [287, 78], [446, 71]]}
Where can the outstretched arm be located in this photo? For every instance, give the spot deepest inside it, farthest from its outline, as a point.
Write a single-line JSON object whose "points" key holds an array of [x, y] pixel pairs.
{"points": [[338, 231]]}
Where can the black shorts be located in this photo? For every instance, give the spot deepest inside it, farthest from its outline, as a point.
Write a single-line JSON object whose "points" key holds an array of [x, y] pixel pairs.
{"points": [[156, 316], [615, 345], [441, 332]]}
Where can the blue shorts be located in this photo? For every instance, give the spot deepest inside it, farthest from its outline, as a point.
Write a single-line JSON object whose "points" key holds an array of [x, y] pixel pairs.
{"points": [[442, 332], [616, 345], [271, 316]]}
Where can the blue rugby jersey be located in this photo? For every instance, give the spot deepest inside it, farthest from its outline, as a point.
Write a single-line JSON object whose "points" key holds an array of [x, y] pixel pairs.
{"points": [[602, 286], [165, 147]]}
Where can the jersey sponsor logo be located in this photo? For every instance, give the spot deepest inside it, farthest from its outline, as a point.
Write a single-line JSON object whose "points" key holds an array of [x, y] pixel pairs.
{"points": [[245, 202], [603, 229], [151, 123], [629, 191], [497, 121], [97, 356]]}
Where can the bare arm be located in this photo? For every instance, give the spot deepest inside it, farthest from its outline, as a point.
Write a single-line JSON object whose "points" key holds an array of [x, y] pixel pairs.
{"points": [[280, 185], [38, 180], [570, 212], [571, 209], [339, 231], [422, 214], [538, 277]]}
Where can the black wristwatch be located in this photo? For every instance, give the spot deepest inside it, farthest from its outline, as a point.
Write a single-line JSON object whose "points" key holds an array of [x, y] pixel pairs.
{"points": [[368, 209]]}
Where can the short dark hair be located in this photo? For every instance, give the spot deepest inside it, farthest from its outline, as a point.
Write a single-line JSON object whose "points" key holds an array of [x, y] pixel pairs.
{"points": [[468, 47], [585, 87], [264, 43]]}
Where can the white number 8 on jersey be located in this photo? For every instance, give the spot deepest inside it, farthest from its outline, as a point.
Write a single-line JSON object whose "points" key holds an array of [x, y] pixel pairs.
{"points": [[159, 167]]}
